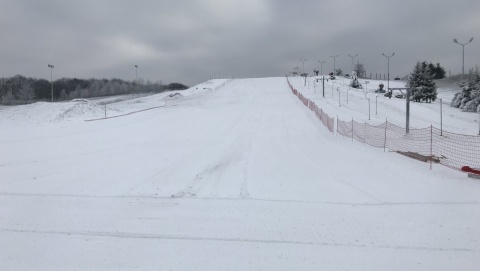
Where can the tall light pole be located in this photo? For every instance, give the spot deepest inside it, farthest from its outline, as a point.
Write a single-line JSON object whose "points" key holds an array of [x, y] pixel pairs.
{"points": [[321, 66], [352, 59], [303, 61], [136, 74], [388, 69], [334, 63], [51, 77], [463, 52]]}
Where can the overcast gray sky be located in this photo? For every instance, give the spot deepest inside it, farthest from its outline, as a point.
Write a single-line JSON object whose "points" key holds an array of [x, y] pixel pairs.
{"points": [[190, 41]]}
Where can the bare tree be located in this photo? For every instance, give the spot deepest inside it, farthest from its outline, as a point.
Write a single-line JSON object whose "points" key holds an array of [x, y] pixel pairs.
{"points": [[360, 69]]}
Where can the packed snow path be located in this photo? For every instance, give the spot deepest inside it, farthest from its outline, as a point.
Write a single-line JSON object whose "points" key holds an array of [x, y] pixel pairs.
{"points": [[242, 178]]}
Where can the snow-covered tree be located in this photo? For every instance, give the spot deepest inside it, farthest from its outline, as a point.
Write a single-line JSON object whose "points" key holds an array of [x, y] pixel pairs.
{"points": [[421, 83], [360, 69], [469, 98], [26, 92], [8, 98]]}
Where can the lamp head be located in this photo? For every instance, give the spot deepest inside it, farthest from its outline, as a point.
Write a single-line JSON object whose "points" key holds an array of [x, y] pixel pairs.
{"points": [[455, 40]]}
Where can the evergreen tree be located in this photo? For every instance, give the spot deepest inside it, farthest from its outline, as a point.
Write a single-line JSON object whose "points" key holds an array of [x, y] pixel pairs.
{"points": [[437, 71], [421, 83], [469, 98]]}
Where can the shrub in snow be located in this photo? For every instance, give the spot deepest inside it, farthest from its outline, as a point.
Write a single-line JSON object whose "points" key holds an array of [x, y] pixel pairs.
{"points": [[469, 98]]}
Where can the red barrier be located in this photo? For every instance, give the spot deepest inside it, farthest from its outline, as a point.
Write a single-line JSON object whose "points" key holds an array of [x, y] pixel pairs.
{"points": [[328, 121]]}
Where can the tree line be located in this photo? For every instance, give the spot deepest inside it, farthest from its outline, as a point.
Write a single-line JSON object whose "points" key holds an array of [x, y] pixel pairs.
{"points": [[21, 90]]}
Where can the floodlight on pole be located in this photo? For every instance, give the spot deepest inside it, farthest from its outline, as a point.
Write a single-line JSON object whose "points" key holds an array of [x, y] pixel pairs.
{"points": [[388, 69], [352, 59], [463, 52], [136, 74], [303, 61], [334, 63], [51, 77], [321, 66]]}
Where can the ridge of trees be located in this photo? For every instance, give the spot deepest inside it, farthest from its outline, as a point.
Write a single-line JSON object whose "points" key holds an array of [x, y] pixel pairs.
{"points": [[20, 89]]}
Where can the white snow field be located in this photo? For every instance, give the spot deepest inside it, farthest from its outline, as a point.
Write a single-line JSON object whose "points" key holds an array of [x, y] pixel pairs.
{"points": [[232, 175]]}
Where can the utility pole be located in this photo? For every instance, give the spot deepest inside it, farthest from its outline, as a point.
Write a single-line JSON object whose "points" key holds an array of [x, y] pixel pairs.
{"points": [[463, 52], [51, 77]]}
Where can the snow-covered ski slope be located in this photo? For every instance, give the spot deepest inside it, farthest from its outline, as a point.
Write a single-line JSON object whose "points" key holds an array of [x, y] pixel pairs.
{"points": [[237, 177]]}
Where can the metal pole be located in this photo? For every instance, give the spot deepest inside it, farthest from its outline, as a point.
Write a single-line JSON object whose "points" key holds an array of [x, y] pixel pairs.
{"points": [[136, 74], [51, 77], [407, 99], [323, 85], [321, 67], [376, 98], [339, 105], [463, 52], [347, 94], [334, 64], [352, 59], [388, 69], [441, 118], [352, 129], [431, 145], [303, 60], [385, 140], [368, 108]]}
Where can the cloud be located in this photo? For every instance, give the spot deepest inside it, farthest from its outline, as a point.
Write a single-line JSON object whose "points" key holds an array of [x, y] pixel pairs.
{"points": [[188, 41]]}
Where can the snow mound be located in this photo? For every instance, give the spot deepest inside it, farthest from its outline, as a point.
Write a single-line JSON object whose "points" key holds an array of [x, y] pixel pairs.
{"points": [[41, 112], [175, 96], [79, 108]]}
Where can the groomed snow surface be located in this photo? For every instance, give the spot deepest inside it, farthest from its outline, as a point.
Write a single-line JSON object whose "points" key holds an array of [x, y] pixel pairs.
{"points": [[229, 175]]}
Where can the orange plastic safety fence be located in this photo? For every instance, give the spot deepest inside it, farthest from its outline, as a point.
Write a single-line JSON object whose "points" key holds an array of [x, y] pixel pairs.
{"points": [[449, 149]]}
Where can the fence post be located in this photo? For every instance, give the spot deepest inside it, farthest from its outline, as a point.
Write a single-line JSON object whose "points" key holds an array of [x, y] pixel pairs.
{"points": [[337, 123], [352, 129], [431, 145], [385, 141], [365, 133]]}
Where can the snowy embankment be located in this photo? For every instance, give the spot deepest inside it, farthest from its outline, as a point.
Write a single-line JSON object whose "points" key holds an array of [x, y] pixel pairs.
{"points": [[242, 177], [356, 106]]}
